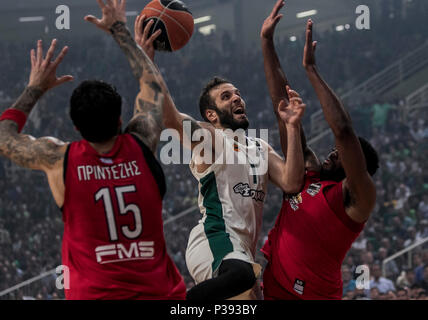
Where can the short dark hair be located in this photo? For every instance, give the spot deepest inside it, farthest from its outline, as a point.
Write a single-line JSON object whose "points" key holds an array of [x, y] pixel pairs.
{"points": [[372, 158], [205, 100], [95, 108]]}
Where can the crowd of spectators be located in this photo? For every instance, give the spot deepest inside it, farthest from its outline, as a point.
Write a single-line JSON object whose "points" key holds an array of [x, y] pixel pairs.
{"points": [[31, 224]]}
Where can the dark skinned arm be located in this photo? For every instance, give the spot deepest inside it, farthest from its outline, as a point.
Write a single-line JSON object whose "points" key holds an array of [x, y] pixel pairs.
{"points": [[358, 183]]}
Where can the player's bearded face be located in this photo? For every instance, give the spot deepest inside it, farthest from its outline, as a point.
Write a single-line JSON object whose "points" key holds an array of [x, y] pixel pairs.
{"points": [[332, 168], [230, 107], [228, 120]]}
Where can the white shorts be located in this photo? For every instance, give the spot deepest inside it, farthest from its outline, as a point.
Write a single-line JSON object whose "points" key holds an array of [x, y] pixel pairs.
{"points": [[200, 256]]}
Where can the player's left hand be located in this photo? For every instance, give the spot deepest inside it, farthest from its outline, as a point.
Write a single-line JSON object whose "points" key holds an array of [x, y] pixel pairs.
{"points": [[269, 25], [113, 11], [292, 112], [43, 70], [142, 36]]}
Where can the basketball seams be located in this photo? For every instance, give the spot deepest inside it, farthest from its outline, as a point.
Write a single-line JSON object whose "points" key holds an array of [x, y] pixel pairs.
{"points": [[163, 11], [169, 17], [176, 10]]}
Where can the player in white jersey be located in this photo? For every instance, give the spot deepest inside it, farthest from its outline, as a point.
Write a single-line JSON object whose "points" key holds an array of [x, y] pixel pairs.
{"points": [[221, 248], [231, 198]]}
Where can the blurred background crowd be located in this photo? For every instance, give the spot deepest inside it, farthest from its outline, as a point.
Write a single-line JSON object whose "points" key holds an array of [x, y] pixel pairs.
{"points": [[31, 224]]}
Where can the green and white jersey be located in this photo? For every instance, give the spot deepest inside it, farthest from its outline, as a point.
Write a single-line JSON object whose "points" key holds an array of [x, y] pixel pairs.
{"points": [[231, 198]]}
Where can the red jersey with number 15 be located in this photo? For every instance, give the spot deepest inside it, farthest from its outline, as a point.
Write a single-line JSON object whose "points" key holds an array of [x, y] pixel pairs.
{"points": [[113, 243]]}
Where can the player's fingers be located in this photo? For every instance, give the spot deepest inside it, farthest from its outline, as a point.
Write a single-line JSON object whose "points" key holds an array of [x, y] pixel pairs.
{"points": [[123, 4], [301, 108], [282, 105], [140, 23], [278, 5], [50, 53], [136, 26], [297, 100], [93, 20], [39, 58], [33, 58], [101, 4], [154, 36], [110, 3], [63, 79], [116, 3], [277, 18], [147, 29], [137, 21], [309, 32], [314, 45], [291, 92], [60, 57]]}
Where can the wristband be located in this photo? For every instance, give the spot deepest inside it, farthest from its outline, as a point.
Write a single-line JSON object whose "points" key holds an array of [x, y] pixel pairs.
{"points": [[16, 116]]}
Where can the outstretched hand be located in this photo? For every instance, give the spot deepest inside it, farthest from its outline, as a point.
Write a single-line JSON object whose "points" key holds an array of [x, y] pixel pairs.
{"points": [[113, 11], [142, 36], [310, 46], [269, 25], [292, 112], [43, 70]]}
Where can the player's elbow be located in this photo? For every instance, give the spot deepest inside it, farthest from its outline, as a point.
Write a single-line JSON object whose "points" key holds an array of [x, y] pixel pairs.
{"points": [[292, 187], [6, 134]]}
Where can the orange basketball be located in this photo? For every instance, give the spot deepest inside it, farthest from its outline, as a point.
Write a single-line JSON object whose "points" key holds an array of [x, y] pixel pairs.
{"points": [[174, 19]]}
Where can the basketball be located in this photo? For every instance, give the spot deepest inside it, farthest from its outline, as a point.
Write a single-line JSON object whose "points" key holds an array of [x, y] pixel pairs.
{"points": [[174, 19]]}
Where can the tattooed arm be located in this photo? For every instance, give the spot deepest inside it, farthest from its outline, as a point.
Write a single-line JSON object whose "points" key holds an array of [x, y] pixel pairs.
{"points": [[184, 124], [147, 121], [26, 151], [154, 107]]}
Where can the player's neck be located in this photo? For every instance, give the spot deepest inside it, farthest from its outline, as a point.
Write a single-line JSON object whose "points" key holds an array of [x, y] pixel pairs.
{"points": [[104, 147]]}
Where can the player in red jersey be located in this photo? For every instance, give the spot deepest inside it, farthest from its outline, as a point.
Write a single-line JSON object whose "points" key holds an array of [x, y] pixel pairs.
{"points": [[315, 228], [109, 185]]}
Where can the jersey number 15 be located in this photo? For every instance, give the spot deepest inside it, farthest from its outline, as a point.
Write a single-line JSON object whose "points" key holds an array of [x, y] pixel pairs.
{"points": [[104, 194]]}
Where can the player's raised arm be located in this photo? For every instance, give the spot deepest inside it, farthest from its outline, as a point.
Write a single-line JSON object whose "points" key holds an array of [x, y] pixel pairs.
{"points": [[172, 118], [26, 151], [147, 120], [289, 174], [358, 181], [275, 76], [277, 80]]}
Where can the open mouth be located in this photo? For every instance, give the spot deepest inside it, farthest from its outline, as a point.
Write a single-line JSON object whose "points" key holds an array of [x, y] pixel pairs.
{"points": [[239, 111]]}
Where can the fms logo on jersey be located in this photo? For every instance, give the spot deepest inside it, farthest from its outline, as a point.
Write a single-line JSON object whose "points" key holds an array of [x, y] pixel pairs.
{"points": [[141, 250], [245, 191]]}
